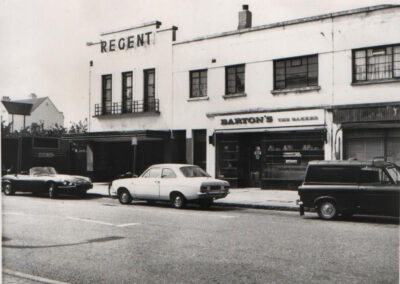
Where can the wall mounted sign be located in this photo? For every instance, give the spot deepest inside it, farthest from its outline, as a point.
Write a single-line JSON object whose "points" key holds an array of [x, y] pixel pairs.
{"points": [[125, 43], [274, 119]]}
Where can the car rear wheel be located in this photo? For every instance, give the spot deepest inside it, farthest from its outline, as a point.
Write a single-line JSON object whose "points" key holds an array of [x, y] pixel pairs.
{"points": [[124, 196], [327, 210], [178, 200], [52, 190], [8, 189], [206, 203]]}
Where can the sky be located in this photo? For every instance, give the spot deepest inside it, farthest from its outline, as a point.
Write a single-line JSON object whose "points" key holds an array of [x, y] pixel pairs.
{"points": [[43, 42]]}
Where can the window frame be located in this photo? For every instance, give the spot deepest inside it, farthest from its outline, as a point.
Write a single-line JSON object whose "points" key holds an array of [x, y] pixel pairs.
{"points": [[191, 83], [308, 84], [392, 63], [147, 105], [125, 88], [104, 90], [236, 87]]}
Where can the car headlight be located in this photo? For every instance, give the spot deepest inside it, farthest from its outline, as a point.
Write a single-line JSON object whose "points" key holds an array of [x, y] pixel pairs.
{"points": [[65, 182]]}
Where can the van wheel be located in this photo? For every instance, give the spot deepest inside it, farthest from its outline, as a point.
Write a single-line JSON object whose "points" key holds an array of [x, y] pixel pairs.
{"points": [[124, 196], [178, 200], [327, 210]]}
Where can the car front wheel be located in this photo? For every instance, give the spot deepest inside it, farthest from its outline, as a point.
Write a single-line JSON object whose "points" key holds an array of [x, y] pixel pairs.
{"points": [[124, 196], [327, 210], [178, 200], [8, 189], [52, 190]]}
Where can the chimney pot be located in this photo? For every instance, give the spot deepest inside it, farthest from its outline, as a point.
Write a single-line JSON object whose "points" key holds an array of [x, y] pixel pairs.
{"points": [[6, 98], [245, 7]]}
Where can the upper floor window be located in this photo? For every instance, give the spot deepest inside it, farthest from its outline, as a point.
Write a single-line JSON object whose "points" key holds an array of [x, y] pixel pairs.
{"points": [[106, 100], [149, 102], [377, 63], [298, 72], [198, 83], [234, 79], [127, 92]]}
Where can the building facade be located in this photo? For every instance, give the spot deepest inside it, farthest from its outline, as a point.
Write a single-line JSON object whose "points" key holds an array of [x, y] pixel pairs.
{"points": [[32, 112], [253, 105]]}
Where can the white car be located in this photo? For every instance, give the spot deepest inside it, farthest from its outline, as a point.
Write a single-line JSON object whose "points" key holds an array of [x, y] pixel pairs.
{"points": [[179, 183]]}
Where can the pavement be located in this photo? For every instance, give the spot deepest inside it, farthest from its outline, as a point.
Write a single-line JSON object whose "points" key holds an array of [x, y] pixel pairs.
{"points": [[272, 199]]}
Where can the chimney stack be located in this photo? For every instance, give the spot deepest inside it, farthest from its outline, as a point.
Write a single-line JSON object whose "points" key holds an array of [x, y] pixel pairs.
{"points": [[6, 98], [33, 96], [244, 18]]}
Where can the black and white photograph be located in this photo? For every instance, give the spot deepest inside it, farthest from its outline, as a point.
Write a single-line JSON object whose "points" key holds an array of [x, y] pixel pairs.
{"points": [[183, 141]]}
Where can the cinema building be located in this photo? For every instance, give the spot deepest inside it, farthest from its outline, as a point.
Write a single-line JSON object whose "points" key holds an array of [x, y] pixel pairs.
{"points": [[253, 105]]}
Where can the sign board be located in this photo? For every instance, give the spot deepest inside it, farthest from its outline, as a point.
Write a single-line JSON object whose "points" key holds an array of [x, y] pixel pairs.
{"points": [[45, 155], [134, 141], [273, 119]]}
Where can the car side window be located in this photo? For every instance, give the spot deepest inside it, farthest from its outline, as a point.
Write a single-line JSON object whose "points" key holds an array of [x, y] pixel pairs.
{"points": [[374, 176], [153, 173], [168, 173], [332, 174]]}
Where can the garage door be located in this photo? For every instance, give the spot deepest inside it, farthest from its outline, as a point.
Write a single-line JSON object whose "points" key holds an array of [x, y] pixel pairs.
{"points": [[368, 144]]}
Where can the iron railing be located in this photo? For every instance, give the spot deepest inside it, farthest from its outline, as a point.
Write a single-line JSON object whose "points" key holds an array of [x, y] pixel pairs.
{"points": [[127, 107]]}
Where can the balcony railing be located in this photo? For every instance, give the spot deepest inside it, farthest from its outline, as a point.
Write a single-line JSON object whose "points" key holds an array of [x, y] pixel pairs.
{"points": [[128, 107]]}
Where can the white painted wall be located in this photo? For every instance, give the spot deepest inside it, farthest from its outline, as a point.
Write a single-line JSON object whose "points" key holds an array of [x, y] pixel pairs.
{"points": [[157, 55]]}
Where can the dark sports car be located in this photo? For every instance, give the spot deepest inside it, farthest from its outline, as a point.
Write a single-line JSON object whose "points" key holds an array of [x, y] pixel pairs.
{"points": [[45, 180]]}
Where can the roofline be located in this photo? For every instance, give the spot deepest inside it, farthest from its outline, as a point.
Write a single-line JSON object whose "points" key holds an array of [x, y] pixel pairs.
{"points": [[294, 22], [148, 24]]}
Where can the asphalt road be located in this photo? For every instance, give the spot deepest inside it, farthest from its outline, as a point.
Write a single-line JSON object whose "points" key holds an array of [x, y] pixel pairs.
{"points": [[97, 240]]}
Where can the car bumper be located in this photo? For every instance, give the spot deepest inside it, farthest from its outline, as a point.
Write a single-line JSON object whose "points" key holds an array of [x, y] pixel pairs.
{"points": [[77, 187], [213, 194]]}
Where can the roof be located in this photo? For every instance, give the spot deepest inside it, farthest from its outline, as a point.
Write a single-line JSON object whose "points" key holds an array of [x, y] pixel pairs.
{"points": [[172, 165], [295, 21], [20, 108], [34, 101]]}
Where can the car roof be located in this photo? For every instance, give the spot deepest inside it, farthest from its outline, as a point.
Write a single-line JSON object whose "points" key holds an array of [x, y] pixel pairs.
{"points": [[379, 164], [172, 165]]}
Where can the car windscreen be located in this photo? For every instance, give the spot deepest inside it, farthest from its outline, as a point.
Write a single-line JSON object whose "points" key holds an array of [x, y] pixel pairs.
{"points": [[394, 174], [193, 171], [42, 171]]}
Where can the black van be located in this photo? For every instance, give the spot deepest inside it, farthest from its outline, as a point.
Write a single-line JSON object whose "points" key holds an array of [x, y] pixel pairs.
{"points": [[334, 188]]}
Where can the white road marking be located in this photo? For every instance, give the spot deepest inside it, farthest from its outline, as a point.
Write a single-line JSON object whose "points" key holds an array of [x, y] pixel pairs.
{"points": [[91, 221], [14, 213], [199, 214], [128, 224], [31, 277]]}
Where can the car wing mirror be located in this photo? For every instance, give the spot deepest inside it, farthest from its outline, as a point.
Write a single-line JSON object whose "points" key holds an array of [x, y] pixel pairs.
{"points": [[134, 176]]}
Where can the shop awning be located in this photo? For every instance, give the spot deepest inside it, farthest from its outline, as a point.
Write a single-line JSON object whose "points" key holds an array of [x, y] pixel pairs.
{"points": [[119, 136]]}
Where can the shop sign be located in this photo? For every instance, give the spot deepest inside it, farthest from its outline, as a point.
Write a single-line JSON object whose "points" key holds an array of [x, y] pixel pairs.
{"points": [[133, 141], [275, 119], [125, 43]]}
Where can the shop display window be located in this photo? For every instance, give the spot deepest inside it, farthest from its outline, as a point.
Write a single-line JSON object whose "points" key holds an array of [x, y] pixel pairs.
{"points": [[287, 159]]}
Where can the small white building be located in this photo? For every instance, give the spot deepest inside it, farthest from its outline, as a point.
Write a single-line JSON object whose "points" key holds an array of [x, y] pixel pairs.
{"points": [[253, 105], [32, 112]]}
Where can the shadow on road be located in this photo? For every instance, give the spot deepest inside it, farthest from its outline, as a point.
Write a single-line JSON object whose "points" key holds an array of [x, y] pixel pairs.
{"points": [[362, 219], [190, 206], [88, 196]]}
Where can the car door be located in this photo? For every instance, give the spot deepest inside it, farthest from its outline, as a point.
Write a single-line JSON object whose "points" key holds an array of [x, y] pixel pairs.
{"points": [[148, 186], [379, 193], [168, 182]]}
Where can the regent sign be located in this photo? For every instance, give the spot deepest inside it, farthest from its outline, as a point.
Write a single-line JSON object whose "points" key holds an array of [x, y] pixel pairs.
{"points": [[275, 119], [125, 43]]}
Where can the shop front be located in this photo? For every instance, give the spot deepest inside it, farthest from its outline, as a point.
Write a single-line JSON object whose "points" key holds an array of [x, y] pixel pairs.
{"points": [[269, 150], [105, 156], [370, 131]]}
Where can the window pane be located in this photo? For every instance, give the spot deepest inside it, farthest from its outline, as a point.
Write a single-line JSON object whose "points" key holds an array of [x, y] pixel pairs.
{"points": [[396, 61], [231, 70]]}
